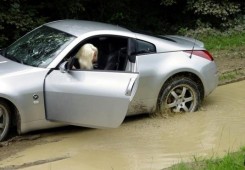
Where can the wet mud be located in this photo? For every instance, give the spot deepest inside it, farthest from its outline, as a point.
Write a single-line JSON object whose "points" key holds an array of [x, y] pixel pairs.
{"points": [[142, 142]]}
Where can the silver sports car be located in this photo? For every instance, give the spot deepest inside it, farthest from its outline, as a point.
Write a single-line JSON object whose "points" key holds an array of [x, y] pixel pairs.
{"points": [[41, 85]]}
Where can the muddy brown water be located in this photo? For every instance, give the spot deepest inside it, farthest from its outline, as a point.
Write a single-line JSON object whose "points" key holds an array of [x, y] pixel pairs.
{"points": [[146, 143]]}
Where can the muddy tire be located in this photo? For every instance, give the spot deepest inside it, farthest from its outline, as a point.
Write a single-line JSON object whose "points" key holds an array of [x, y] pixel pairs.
{"points": [[180, 94], [4, 120]]}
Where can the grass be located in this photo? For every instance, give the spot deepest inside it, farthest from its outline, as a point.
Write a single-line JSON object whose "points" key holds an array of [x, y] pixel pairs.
{"points": [[232, 161], [223, 41], [227, 46], [229, 76]]}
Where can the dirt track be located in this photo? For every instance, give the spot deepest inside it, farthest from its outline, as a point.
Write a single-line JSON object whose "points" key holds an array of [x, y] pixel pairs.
{"points": [[141, 142]]}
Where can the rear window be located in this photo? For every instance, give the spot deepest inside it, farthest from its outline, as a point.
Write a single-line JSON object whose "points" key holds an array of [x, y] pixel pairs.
{"points": [[144, 47]]}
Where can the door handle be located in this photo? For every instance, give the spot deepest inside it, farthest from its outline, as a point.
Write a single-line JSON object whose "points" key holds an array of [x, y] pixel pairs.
{"points": [[130, 86]]}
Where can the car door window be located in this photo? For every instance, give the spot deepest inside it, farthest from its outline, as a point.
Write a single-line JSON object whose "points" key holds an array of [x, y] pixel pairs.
{"points": [[112, 53]]}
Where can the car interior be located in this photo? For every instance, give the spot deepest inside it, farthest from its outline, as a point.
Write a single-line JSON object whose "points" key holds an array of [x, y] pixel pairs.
{"points": [[112, 53]]}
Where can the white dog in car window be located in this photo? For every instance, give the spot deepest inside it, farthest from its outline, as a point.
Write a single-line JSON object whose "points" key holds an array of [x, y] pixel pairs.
{"points": [[87, 55]]}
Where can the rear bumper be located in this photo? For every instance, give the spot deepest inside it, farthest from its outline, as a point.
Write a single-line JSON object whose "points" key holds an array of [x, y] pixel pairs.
{"points": [[211, 78]]}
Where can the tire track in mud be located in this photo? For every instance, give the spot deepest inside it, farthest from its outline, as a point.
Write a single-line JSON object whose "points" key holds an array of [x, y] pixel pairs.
{"points": [[18, 143], [30, 164]]}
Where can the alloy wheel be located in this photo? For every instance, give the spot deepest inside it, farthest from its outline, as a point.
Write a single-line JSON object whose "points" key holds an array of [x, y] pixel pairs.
{"points": [[182, 98], [4, 122]]}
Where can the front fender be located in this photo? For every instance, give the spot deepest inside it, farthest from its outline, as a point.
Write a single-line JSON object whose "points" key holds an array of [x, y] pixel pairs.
{"points": [[19, 89]]}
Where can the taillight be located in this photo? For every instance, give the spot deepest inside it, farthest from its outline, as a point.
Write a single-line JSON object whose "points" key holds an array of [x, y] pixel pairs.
{"points": [[201, 53]]}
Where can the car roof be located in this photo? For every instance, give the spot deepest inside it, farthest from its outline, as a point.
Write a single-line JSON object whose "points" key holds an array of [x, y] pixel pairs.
{"points": [[80, 27]]}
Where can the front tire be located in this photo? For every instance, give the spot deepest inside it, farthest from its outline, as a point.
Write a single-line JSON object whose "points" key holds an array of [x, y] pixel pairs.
{"points": [[180, 94], [4, 120]]}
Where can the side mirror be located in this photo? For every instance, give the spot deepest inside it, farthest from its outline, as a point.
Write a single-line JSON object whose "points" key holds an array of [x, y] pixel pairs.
{"points": [[66, 66], [63, 67]]}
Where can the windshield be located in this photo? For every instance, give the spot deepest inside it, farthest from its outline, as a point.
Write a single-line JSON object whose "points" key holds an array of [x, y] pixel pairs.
{"points": [[38, 48]]}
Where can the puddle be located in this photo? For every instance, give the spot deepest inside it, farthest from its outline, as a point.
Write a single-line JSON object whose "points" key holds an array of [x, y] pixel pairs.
{"points": [[149, 143]]}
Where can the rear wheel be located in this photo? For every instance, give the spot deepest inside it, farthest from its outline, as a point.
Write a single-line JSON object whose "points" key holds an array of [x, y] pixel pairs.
{"points": [[180, 94], [4, 120]]}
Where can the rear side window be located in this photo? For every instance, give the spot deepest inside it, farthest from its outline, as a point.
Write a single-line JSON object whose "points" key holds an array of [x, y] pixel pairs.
{"points": [[144, 47]]}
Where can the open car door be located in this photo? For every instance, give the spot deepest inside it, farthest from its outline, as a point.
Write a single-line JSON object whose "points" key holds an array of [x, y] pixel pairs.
{"points": [[96, 99]]}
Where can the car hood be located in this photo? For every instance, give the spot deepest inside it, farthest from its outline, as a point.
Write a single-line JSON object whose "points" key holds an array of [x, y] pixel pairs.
{"points": [[8, 66]]}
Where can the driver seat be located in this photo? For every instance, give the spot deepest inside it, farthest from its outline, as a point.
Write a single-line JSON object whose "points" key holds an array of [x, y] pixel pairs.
{"points": [[117, 60]]}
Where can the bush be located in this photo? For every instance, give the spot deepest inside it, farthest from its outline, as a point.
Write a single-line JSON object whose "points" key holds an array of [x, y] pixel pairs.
{"points": [[160, 16]]}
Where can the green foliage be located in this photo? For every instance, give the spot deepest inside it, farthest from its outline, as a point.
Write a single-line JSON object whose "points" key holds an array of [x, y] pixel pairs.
{"points": [[16, 19], [232, 161], [215, 11], [168, 2], [161, 16], [20, 16]]}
